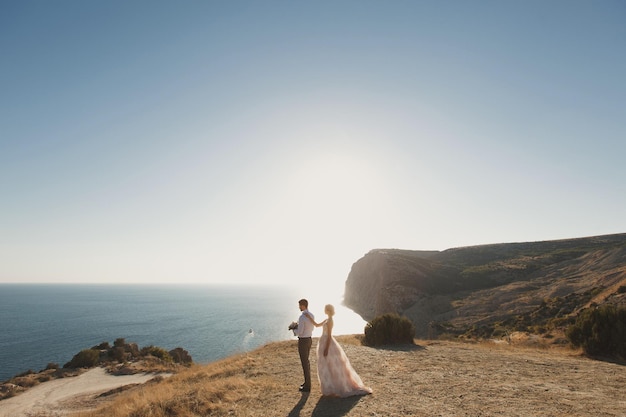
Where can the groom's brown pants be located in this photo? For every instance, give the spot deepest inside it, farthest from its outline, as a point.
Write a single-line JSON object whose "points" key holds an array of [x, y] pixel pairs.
{"points": [[304, 348]]}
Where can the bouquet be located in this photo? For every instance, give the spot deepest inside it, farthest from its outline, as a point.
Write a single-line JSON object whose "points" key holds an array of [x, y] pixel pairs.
{"points": [[293, 326]]}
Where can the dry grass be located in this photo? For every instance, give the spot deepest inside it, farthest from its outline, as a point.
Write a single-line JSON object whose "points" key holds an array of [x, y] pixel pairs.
{"points": [[200, 390], [432, 378]]}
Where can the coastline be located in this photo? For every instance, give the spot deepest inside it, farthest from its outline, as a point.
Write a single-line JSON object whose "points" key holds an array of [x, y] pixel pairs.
{"points": [[47, 323]]}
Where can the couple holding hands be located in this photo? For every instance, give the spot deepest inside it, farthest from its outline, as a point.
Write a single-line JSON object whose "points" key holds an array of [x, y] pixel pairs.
{"points": [[336, 376]]}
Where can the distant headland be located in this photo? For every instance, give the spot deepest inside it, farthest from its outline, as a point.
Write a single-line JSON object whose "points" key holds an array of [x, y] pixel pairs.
{"points": [[491, 290]]}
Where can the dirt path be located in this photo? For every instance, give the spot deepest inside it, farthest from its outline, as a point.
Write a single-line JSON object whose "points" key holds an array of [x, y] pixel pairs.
{"points": [[61, 396]]}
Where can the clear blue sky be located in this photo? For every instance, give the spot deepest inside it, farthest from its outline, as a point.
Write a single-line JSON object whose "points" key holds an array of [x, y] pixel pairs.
{"points": [[279, 141]]}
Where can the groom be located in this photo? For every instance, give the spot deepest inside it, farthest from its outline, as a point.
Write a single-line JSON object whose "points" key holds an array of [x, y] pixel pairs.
{"points": [[304, 333]]}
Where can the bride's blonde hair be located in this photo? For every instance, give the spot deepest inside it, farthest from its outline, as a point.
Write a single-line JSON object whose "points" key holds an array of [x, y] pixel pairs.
{"points": [[329, 309]]}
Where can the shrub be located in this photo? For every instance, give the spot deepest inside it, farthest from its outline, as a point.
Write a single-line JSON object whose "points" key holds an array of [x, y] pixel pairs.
{"points": [[26, 373], [117, 353], [44, 377], [26, 382], [102, 346], [389, 329], [157, 352], [52, 365], [180, 355], [132, 349], [600, 331], [86, 358]]}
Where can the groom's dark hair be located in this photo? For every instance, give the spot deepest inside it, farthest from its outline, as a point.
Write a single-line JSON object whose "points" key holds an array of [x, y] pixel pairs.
{"points": [[303, 302]]}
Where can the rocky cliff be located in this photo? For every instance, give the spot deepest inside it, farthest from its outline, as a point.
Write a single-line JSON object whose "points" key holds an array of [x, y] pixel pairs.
{"points": [[479, 290]]}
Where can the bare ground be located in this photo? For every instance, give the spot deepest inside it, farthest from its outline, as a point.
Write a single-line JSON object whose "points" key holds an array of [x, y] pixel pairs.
{"points": [[459, 379], [432, 378]]}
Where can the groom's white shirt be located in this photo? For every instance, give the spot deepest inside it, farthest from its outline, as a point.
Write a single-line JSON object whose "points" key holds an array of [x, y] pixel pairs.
{"points": [[305, 326]]}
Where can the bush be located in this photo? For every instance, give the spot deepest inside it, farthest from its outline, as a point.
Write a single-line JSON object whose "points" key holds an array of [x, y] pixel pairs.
{"points": [[52, 365], [180, 355], [389, 329], [157, 352], [600, 331], [26, 373], [86, 358], [132, 349], [44, 377], [118, 354], [26, 382], [102, 346]]}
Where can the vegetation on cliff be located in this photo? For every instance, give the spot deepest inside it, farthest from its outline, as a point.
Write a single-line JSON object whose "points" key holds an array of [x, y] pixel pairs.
{"points": [[121, 352], [490, 291]]}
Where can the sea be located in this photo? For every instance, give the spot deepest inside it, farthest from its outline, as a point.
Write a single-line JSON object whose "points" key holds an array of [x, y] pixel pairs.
{"points": [[43, 324]]}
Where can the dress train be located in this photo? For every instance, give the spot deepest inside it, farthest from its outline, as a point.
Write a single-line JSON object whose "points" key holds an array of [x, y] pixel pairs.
{"points": [[334, 371]]}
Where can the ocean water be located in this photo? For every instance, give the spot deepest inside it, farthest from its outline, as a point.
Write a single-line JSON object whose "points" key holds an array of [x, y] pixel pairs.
{"points": [[40, 324]]}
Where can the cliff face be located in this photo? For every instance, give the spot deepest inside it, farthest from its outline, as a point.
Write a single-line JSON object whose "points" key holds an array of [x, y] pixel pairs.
{"points": [[513, 285], [388, 281]]}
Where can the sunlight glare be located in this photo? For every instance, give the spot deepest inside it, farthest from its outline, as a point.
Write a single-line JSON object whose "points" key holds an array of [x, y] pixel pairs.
{"points": [[334, 195]]}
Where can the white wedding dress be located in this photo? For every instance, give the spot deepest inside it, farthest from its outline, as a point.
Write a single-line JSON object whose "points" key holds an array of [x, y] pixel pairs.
{"points": [[336, 375]]}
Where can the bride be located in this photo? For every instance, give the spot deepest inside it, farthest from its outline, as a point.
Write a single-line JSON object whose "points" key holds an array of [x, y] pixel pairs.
{"points": [[336, 375]]}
